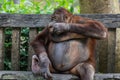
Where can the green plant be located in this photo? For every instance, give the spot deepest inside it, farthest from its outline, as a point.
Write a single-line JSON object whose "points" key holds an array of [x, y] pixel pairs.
{"points": [[25, 7], [7, 45], [32, 7]]}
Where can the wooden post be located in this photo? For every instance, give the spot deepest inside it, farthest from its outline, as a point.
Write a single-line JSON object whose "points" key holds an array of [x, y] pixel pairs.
{"points": [[102, 52], [117, 51], [111, 50], [1, 48], [97, 57], [32, 35], [15, 48]]}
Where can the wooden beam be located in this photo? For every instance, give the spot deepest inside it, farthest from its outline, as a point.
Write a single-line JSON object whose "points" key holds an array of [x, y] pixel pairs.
{"points": [[111, 50], [117, 51], [32, 35], [42, 20], [15, 54], [1, 48], [27, 75]]}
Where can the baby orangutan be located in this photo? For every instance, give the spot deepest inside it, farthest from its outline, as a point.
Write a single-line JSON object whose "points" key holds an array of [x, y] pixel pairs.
{"points": [[67, 45]]}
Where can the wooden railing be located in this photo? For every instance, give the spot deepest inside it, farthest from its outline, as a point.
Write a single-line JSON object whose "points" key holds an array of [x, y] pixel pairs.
{"points": [[107, 51]]}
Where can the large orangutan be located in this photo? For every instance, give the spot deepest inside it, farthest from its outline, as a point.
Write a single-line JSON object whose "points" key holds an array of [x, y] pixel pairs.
{"points": [[67, 45]]}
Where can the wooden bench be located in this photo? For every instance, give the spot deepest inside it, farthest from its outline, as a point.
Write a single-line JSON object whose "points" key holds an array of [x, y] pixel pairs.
{"points": [[107, 51], [27, 75]]}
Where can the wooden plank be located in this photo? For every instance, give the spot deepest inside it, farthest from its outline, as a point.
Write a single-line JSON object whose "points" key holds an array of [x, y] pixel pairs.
{"points": [[111, 50], [102, 51], [117, 51], [27, 75], [32, 35], [1, 48], [97, 57], [107, 76], [15, 48], [42, 20]]}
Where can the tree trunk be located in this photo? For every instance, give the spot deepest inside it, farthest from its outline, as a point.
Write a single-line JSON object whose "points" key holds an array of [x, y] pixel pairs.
{"points": [[106, 60], [99, 6]]}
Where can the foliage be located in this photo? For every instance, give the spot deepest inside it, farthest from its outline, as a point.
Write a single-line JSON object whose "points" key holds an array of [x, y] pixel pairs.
{"points": [[29, 7], [7, 62], [32, 7]]}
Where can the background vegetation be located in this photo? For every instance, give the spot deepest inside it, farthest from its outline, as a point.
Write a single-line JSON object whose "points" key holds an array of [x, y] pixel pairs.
{"points": [[29, 7], [38, 6]]}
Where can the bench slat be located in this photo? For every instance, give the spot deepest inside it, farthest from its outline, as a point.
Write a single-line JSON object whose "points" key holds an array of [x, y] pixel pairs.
{"points": [[27, 75], [111, 50], [32, 35], [117, 52], [101, 51], [42, 20], [1, 48], [15, 54]]}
